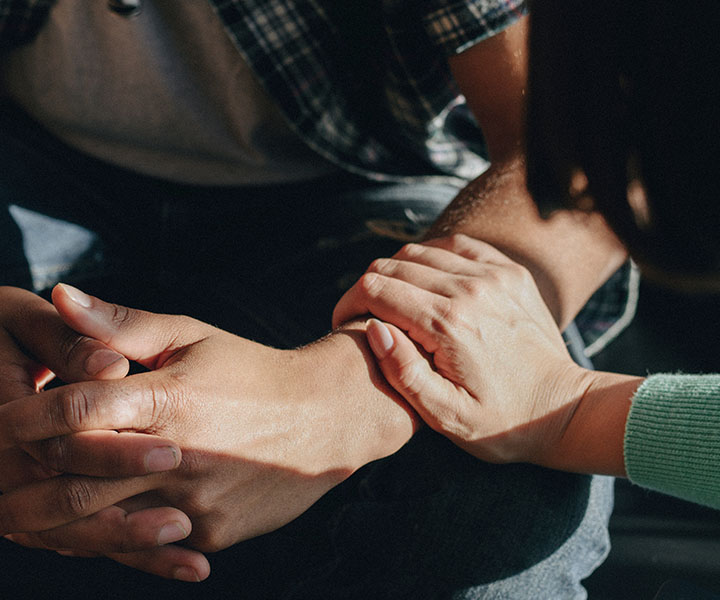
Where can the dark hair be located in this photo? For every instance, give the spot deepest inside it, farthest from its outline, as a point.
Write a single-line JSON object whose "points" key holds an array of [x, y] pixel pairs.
{"points": [[625, 96]]}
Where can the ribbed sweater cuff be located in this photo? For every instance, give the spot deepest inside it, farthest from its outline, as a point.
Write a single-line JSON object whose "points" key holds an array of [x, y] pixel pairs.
{"points": [[672, 437]]}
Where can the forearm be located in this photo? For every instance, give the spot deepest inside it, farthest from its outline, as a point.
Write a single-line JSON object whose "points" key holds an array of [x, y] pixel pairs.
{"points": [[570, 255], [593, 438]]}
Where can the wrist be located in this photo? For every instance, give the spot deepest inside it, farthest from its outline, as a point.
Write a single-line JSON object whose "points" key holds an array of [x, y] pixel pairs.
{"points": [[366, 418], [592, 439]]}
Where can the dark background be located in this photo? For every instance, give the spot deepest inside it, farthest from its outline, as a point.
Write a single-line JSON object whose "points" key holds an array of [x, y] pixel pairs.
{"points": [[655, 538]]}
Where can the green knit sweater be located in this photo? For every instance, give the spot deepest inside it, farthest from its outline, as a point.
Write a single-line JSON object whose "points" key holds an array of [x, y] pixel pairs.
{"points": [[672, 437]]}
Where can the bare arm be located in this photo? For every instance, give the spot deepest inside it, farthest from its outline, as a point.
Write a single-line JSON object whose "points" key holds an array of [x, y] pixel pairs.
{"points": [[570, 255], [264, 433], [593, 439], [496, 377]]}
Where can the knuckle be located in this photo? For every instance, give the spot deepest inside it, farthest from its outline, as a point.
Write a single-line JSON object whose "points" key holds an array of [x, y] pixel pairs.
{"points": [[55, 453], [467, 246], [192, 465], [210, 539], [473, 286], [384, 266], [370, 285], [116, 532], [121, 315], [445, 315], [411, 251], [409, 379], [448, 420], [126, 539], [198, 501], [75, 498], [183, 327], [494, 276], [460, 238], [189, 327], [379, 265], [511, 276], [164, 399], [521, 273], [73, 345], [46, 539], [73, 409], [459, 241], [180, 329]]}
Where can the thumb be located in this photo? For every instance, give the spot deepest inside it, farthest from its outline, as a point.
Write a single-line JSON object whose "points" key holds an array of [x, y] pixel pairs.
{"points": [[410, 373], [145, 337]]}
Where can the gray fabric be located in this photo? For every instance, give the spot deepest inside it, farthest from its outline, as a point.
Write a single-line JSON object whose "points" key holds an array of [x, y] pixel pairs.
{"points": [[165, 93]]}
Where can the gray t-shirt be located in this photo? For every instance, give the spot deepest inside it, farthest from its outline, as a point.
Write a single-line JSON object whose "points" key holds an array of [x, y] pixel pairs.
{"points": [[164, 92]]}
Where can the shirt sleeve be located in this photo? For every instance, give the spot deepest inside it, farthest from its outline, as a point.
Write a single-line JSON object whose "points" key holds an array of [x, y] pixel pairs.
{"points": [[672, 437], [455, 25]]}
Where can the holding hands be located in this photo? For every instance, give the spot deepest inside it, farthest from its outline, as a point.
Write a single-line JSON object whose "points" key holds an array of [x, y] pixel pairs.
{"points": [[470, 344], [259, 434]]}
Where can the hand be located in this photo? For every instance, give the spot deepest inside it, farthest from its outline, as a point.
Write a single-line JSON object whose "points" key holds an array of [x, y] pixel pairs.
{"points": [[262, 437], [492, 372], [35, 344]]}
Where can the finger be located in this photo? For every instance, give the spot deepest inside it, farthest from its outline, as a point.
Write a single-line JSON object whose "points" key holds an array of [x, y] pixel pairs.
{"points": [[134, 403], [28, 540], [146, 337], [77, 553], [104, 453], [170, 562], [427, 266], [18, 468], [411, 374], [470, 248], [446, 260], [113, 530], [431, 279], [35, 325], [60, 500], [20, 375], [411, 308]]}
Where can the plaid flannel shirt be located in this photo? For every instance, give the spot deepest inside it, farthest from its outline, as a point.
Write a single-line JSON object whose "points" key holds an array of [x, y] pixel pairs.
{"points": [[366, 84]]}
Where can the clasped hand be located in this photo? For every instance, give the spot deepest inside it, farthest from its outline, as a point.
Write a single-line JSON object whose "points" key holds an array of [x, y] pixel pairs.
{"points": [[261, 440]]}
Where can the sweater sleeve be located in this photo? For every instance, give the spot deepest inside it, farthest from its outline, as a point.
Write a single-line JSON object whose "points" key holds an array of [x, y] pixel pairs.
{"points": [[672, 437]]}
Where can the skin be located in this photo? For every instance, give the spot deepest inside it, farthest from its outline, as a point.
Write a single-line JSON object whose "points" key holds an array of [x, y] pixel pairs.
{"points": [[35, 345], [472, 347], [194, 361], [238, 409]]}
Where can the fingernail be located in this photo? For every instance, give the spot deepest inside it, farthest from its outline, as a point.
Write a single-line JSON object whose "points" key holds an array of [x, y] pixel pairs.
{"points": [[161, 459], [77, 296], [186, 574], [172, 532], [379, 337], [101, 359]]}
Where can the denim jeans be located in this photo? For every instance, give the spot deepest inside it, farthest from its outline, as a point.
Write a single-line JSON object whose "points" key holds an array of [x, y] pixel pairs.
{"points": [[429, 522]]}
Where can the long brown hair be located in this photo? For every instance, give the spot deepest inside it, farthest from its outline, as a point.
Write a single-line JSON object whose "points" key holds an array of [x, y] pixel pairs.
{"points": [[624, 118]]}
